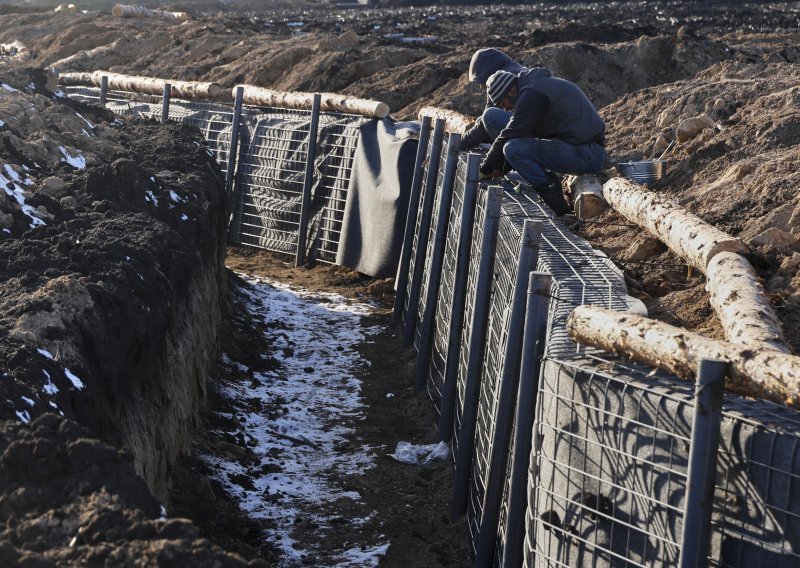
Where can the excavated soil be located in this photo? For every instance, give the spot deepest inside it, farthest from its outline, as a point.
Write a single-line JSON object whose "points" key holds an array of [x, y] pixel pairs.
{"points": [[70, 493]]}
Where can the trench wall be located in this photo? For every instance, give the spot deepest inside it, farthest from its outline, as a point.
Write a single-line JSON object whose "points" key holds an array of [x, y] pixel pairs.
{"points": [[562, 456]]}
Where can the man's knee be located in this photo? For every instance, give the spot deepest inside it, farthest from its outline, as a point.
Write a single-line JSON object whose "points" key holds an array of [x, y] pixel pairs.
{"points": [[513, 150]]}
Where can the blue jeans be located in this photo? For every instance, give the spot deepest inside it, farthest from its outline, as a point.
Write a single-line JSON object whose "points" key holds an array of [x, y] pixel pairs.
{"points": [[532, 158]]}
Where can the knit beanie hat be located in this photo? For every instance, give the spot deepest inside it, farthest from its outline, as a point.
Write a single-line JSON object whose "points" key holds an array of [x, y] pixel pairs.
{"points": [[499, 84]]}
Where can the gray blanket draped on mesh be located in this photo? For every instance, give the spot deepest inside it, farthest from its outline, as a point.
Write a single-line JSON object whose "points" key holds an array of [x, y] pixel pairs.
{"points": [[377, 198]]}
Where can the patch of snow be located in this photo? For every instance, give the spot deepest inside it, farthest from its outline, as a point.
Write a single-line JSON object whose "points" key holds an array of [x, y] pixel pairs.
{"points": [[49, 387], [8, 88], [150, 196], [321, 400], [76, 382], [60, 94], [184, 217], [78, 162], [46, 353], [174, 196], [84, 120], [11, 173], [23, 416], [27, 401], [2, 123]]}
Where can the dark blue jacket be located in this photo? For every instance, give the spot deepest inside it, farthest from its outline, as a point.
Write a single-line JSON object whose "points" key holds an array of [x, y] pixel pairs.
{"points": [[547, 107]]}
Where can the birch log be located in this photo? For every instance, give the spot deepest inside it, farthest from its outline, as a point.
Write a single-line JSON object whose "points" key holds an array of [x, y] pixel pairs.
{"points": [[154, 86], [454, 121], [75, 78], [128, 11], [684, 233], [743, 308], [758, 373], [587, 194], [332, 102]]}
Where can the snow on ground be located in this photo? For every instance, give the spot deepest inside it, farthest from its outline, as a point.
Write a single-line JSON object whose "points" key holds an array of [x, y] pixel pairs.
{"points": [[308, 407]]}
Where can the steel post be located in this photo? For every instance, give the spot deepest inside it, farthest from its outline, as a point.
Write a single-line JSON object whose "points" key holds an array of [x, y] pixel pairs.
{"points": [[103, 90], [476, 345], [699, 501], [165, 103], [436, 262], [401, 282], [423, 233], [308, 182], [506, 399], [230, 172], [445, 426], [533, 343]]}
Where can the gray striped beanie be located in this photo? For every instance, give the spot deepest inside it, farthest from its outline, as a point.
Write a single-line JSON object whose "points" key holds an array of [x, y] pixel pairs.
{"points": [[498, 85]]}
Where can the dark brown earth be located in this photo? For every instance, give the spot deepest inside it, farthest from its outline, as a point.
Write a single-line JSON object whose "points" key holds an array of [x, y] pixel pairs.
{"points": [[647, 66]]}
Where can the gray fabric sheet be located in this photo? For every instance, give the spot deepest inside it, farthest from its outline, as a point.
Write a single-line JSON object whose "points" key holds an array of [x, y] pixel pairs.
{"points": [[377, 198]]}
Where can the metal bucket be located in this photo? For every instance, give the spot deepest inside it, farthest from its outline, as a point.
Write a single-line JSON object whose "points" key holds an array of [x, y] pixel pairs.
{"points": [[646, 171]]}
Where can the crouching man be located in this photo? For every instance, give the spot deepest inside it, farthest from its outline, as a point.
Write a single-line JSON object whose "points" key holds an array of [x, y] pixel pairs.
{"points": [[542, 125]]}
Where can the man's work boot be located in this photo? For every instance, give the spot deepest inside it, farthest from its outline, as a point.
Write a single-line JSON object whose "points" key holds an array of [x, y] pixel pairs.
{"points": [[552, 194]]}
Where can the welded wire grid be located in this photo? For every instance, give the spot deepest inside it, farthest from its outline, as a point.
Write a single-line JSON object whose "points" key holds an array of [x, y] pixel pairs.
{"points": [[270, 177], [427, 275], [505, 272], [584, 276], [613, 444], [469, 312], [444, 302], [333, 166], [419, 231]]}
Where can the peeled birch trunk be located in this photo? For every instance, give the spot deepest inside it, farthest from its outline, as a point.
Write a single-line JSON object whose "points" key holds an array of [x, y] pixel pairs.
{"points": [[743, 308], [454, 121], [684, 233], [331, 102], [75, 78], [587, 195], [128, 11], [154, 86], [761, 374]]}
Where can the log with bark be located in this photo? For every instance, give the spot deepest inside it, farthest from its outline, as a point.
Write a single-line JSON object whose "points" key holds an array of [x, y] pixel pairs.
{"points": [[758, 373], [741, 304], [684, 233], [331, 102], [128, 11], [587, 195], [195, 90], [15, 49], [454, 121]]}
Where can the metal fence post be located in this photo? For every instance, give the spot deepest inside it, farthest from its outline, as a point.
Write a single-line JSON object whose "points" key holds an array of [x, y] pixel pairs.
{"points": [[230, 172], [308, 182], [700, 478], [476, 345], [436, 261], [498, 462], [103, 90], [411, 218], [445, 426], [410, 321], [533, 343], [165, 103]]}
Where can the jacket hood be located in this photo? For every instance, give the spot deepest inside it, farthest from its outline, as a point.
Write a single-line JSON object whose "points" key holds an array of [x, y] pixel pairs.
{"points": [[486, 61], [538, 73]]}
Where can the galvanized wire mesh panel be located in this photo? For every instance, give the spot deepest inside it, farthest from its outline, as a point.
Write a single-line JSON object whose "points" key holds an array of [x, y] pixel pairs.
{"points": [[584, 276], [333, 166], [444, 303], [505, 273], [431, 242], [270, 178], [469, 312], [613, 446]]}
